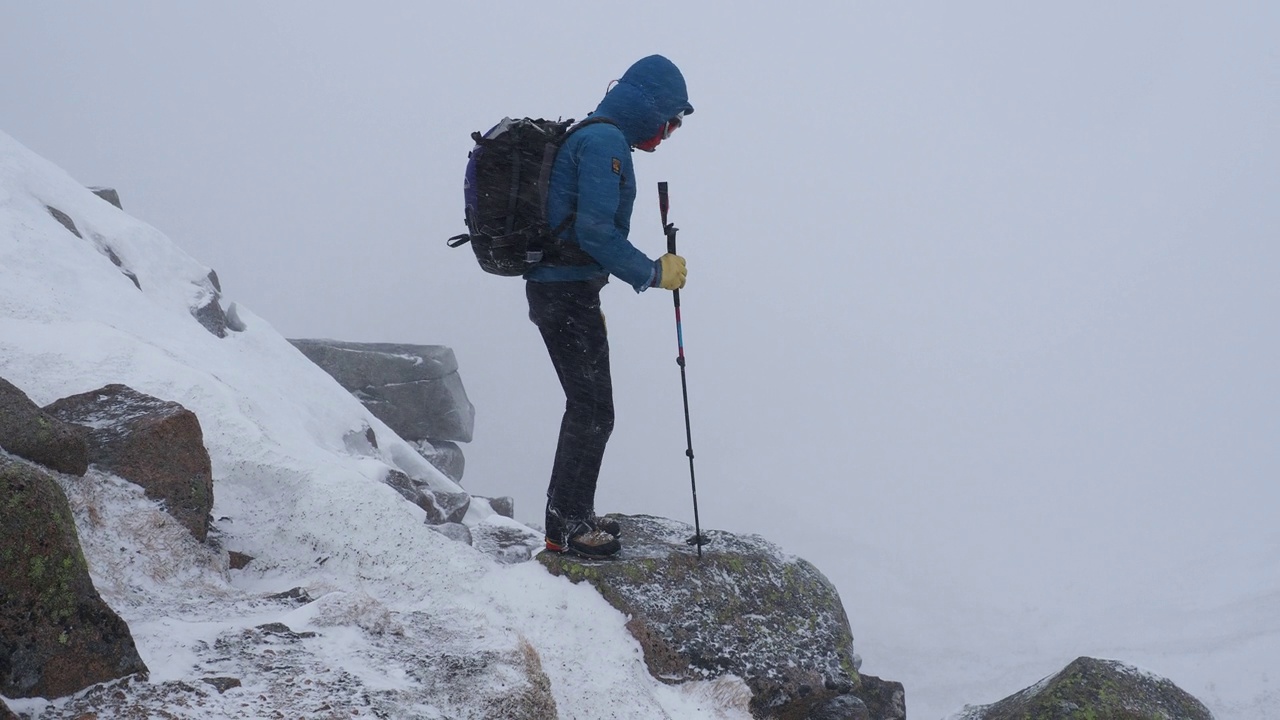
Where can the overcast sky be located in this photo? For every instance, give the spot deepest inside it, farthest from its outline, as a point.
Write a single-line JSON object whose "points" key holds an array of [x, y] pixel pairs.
{"points": [[981, 296]]}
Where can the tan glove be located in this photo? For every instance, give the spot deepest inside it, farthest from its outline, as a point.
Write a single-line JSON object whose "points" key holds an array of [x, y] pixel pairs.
{"points": [[671, 272]]}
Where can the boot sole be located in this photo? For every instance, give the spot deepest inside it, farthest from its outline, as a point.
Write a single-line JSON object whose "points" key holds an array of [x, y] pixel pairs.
{"points": [[570, 550]]}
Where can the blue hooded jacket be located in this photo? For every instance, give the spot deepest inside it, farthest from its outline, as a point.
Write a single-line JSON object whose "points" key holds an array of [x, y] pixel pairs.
{"points": [[593, 174]]}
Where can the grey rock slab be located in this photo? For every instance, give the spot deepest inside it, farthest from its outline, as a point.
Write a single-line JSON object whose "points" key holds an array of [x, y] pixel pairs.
{"points": [[414, 389]]}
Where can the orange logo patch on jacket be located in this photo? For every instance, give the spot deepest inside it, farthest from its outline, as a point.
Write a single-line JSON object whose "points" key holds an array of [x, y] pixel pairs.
{"points": [[617, 166]]}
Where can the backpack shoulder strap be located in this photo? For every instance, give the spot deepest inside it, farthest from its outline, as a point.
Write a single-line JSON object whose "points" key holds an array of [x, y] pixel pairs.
{"points": [[593, 120], [549, 159]]}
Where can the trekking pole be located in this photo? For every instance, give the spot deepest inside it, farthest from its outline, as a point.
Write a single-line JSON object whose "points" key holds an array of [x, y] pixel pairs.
{"points": [[670, 231]]}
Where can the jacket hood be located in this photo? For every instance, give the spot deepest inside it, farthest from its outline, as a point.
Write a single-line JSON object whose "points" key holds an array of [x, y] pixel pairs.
{"points": [[651, 92]]}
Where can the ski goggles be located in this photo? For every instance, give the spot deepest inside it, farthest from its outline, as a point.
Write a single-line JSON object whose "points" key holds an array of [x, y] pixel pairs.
{"points": [[672, 124]]}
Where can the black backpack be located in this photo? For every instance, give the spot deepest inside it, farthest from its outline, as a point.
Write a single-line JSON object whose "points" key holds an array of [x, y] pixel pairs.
{"points": [[505, 190]]}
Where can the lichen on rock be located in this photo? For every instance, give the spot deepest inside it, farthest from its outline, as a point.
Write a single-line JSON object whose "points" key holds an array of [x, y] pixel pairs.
{"points": [[745, 608], [1093, 689], [57, 636]]}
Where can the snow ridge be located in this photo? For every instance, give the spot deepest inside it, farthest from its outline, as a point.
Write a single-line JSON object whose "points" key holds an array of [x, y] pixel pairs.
{"points": [[396, 608]]}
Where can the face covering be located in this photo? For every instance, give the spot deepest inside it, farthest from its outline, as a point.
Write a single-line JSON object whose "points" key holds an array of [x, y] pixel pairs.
{"points": [[665, 132]]}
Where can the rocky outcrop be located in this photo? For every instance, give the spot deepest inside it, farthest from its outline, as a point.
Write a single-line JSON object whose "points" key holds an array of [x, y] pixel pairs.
{"points": [[64, 219], [153, 443], [106, 249], [211, 316], [1091, 689], [884, 699], [57, 636], [446, 507], [498, 536], [31, 433], [441, 507], [6, 713], [207, 309], [414, 389], [504, 506], [444, 455], [275, 671], [744, 609], [108, 194]]}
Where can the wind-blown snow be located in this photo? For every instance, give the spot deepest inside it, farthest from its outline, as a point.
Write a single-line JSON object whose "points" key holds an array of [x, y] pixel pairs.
{"points": [[316, 516], [395, 601]]}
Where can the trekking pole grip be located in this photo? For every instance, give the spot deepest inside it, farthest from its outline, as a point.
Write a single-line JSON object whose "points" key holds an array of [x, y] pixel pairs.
{"points": [[664, 204]]}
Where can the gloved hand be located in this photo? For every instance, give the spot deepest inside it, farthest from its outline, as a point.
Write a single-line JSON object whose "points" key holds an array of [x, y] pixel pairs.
{"points": [[671, 272]]}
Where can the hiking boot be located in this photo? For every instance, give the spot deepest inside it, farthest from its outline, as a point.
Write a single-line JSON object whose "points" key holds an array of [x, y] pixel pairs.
{"points": [[606, 524], [590, 543], [580, 536]]}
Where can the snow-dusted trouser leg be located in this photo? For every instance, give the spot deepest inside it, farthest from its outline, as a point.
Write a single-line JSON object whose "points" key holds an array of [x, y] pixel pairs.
{"points": [[572, 326]]}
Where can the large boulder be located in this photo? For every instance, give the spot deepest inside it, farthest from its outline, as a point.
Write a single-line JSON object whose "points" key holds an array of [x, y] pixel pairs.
{"points": [[414, 389], [57, 636], [154, 443], [29, 432], [444, 455], [745, 608], [1092, 689]]}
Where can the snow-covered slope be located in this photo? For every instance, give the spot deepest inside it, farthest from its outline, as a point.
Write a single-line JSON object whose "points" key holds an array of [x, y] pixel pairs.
{"points": [[396, 602]]}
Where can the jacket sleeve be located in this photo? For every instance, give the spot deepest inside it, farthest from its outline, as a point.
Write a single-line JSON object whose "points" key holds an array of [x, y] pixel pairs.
{"points": [[602, 224]]}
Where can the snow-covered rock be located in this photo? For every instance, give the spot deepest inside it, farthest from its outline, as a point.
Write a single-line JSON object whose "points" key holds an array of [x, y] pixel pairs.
{"points": [[154, 443], [111, 195], [445, 455], [743, 608]]}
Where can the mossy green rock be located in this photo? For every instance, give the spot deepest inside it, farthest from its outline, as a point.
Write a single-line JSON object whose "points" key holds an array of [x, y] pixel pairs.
{"points": [[31, 433], [1092, 689], [57, 636], [745, 608]]}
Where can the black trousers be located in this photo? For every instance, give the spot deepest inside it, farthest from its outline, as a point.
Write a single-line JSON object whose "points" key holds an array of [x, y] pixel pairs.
{"points": [[572, 326]]}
